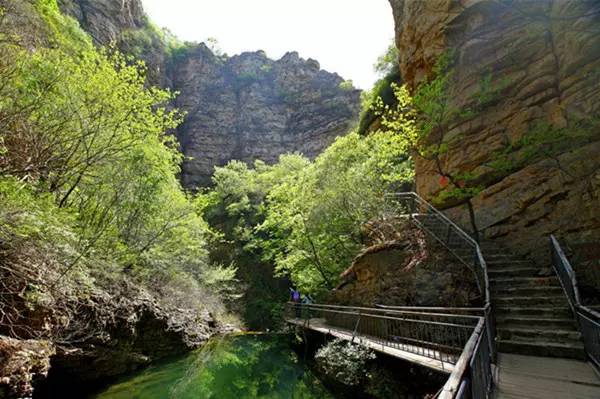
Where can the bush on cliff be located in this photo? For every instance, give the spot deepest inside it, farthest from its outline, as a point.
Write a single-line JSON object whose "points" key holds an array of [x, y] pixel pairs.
{"points": [[88, 182]]}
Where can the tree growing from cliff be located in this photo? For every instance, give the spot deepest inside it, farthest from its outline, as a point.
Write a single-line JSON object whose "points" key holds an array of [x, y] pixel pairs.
{"points": [[425, 121]]}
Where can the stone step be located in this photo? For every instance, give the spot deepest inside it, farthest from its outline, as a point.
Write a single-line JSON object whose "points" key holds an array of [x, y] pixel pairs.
{"points": [[538, 334], [494, 263], [492, 246], [549, 349], [501, 256], [503, 264], [508, 272], [525, 282], [524, 321], [504, 290], [533, 301], [509, 310], [509, 264]]}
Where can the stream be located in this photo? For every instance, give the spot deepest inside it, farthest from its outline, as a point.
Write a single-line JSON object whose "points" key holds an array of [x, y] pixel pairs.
{"points": [[236, 367]]}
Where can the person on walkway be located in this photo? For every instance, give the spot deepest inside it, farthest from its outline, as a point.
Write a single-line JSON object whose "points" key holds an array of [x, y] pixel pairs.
{"points": [[295, 297]]}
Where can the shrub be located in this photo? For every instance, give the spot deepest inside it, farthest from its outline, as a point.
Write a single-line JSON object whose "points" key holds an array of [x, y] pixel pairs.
{"points": [[344, 361]]}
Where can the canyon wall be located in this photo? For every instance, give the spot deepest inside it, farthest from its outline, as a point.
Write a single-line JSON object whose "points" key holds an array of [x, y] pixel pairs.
{"points": [[246, 107], [249, 107], [543, 57]]}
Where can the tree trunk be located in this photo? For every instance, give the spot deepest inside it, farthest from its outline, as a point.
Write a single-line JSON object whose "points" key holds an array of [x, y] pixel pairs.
{"points": [[472, 220]]}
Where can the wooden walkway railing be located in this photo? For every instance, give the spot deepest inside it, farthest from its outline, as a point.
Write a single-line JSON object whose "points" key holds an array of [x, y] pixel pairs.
{"points": [[437, 339]]}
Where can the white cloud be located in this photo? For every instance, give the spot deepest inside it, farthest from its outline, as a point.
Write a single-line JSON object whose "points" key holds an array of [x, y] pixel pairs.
{"points": [[345, 36]]}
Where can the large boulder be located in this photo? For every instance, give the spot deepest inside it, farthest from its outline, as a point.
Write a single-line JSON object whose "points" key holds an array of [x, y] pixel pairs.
{"points": [[409, 269]]}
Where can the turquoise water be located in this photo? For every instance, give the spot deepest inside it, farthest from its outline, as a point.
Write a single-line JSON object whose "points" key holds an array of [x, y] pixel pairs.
{"points": [[237, 367]]}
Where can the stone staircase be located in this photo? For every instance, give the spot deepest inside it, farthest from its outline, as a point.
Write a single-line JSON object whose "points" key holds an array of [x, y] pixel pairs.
{"points": [[531, 309], [532, 312]]}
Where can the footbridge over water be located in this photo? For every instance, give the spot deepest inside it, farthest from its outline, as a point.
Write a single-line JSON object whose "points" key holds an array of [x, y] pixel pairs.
{"points": [[549, 342]]}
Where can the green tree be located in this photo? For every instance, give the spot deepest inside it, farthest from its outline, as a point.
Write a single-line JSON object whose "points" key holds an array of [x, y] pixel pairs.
{"points": [[88, 171]]}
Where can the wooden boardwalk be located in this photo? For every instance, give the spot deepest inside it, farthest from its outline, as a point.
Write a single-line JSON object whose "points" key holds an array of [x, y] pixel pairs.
{"points": [[531, 377], [411, 352]]}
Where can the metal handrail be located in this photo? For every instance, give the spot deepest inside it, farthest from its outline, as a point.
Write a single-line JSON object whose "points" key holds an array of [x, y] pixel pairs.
{"points": [[472, 374], [437, 336], [481, 356], [588, 320], [459, 310], [416, 310], [562, 266], [431, 210]]}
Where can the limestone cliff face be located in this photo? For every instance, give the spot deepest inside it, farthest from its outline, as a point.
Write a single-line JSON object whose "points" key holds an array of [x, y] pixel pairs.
{"points": [[246, 107], [545, 56], [106, 20], [249, 107]]}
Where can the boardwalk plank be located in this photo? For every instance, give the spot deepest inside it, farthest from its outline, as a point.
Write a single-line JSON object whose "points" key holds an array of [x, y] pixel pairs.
{"points": [[380, 346], [532, 377]]}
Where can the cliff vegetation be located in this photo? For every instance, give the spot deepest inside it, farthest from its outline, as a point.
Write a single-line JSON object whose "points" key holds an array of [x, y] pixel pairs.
{"points": [[98, 238]]}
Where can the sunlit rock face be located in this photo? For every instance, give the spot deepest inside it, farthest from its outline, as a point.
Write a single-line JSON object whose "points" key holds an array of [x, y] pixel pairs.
{"points": [[105, 20], [401, 266], [545, 58], [249, 107], [246, 107]]}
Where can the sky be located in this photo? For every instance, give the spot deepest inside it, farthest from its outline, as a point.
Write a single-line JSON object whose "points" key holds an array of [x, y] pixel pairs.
{"points": [[345, 36]]}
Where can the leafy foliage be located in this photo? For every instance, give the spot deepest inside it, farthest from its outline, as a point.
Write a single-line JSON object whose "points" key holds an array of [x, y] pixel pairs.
{"points": [[344, 361], [382, 91], [388, 61], [87, 168], [307, 218]]}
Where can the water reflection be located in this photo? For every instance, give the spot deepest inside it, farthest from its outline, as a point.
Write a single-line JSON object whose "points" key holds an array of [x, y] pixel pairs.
{"points": [[246, 366]]}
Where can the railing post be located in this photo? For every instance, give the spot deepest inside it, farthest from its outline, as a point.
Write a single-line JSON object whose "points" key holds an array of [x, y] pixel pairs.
{"points": [[356, 326]]}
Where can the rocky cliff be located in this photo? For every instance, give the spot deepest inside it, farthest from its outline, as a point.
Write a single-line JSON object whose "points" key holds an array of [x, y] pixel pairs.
{"points": [[544, 59], [249, 107], [106, 21], [405, 267], [246, 107]]}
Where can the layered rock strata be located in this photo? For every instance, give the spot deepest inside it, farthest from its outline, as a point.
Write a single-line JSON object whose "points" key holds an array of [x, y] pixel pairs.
{"points": [[246, 107], [534, 146]]}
